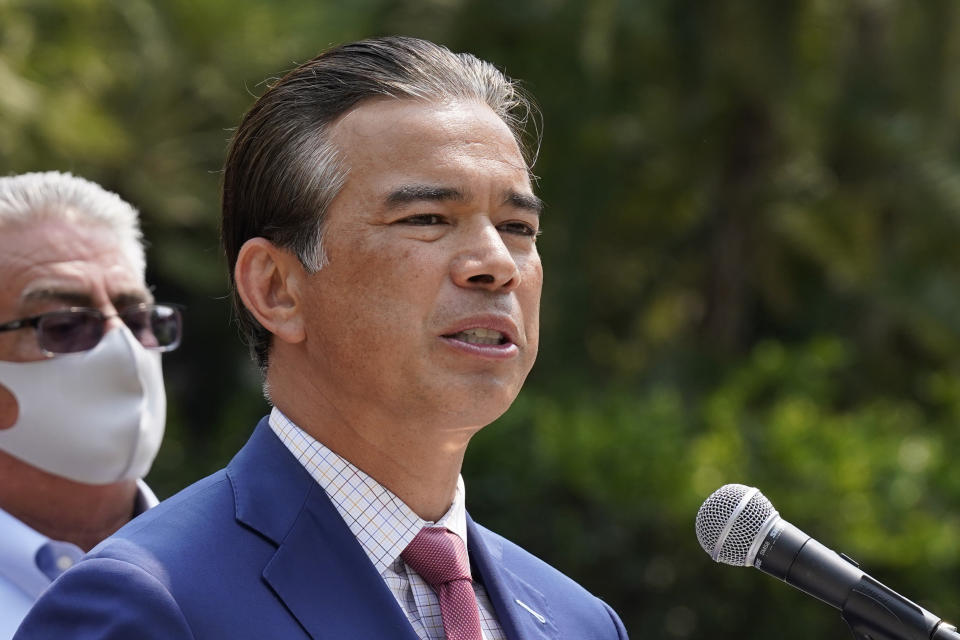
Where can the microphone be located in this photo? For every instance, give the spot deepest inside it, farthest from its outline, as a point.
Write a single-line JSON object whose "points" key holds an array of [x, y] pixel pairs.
{"points": [[738, 525]]}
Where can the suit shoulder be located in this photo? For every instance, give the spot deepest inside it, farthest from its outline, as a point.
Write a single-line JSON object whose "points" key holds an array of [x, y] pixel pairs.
{"points": [[106, 599], [192, 504], [194, 525]]}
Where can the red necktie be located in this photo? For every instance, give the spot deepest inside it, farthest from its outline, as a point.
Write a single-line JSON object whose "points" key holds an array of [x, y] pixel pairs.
{"points": [[440, 558]]}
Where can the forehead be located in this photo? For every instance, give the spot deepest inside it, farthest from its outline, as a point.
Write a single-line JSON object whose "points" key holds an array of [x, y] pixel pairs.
{"points": [[59, 256], [391, 141]]}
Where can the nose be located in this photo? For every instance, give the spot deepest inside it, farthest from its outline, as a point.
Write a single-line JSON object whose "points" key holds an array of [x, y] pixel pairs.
{"points": [[110, 313], [112, 323], [485, 262]]}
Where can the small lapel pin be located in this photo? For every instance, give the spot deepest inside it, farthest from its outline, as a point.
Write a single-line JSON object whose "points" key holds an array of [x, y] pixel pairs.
{"points": [[536, 615]]}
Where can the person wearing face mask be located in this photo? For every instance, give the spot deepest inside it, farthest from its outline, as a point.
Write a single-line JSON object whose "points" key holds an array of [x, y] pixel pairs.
{"points": [[82, 403]]}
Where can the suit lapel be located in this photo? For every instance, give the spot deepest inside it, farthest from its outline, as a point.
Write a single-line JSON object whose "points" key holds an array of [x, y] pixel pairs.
{"points": [[319, 571], [523, 611], [328, 583]]}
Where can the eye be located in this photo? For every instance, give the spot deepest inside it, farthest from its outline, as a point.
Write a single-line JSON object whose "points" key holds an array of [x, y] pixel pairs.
{"points": [[520, 228], [136, 321], [423, 220]]}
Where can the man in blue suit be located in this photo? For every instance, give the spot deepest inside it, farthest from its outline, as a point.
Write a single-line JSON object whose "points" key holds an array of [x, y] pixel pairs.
{"points": [[381, 229]]}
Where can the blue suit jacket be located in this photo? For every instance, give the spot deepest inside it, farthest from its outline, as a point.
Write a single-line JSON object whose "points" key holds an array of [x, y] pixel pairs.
{"points": [[257, 550]]}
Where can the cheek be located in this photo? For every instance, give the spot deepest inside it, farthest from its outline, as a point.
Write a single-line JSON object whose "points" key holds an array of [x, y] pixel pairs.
{"points": [[373, 296], [399, 279], [530, 288], [20, 346]]}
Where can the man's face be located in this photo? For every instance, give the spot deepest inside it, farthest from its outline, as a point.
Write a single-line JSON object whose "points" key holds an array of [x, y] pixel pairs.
{"points": [[54, 265], [429, 306]]}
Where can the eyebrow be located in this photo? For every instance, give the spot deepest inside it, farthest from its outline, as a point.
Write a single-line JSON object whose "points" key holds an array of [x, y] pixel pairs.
{"points": [[525, 201], [80, 298], [421, 192]]}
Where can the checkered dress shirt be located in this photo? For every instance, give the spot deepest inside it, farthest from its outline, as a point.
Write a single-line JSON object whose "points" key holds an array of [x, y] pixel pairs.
{"points": [[384, 526]]}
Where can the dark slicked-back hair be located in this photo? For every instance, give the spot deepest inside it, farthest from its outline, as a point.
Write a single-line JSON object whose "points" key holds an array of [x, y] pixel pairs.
{"points": [[282, 170]]}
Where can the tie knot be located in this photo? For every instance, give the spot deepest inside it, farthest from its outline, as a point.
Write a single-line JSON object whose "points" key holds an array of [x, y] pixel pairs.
{"points": [[438, 555]]}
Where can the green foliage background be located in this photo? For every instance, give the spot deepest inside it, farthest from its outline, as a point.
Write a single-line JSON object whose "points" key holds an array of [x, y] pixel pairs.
{"points": [[750, 247]]}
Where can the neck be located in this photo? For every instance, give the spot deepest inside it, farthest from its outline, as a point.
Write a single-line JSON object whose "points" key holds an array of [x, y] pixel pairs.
{"points": [[422, 472], [62, 509], [419, 462]]}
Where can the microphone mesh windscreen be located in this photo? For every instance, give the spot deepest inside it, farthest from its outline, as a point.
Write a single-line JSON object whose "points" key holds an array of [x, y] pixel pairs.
{"points": [[735, 537]]}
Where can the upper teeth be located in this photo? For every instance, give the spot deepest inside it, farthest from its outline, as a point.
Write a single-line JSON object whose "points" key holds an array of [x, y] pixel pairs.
{"points": [[480, 336]]}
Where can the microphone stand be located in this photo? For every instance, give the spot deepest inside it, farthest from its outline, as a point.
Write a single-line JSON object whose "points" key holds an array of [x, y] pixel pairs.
{"points": [[944, 632], [875, 612]]}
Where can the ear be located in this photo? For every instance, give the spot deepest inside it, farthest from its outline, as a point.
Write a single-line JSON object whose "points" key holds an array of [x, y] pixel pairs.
{"points": [[270, 282]]}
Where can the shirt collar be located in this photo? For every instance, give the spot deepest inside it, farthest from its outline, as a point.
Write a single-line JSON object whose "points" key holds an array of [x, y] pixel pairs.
{"points": [[383, 524], [145, 499], [21, 545], [18, 554]]}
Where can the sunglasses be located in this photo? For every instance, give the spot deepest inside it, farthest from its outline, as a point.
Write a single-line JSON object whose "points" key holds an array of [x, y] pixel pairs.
{"points": [[155, 326]]}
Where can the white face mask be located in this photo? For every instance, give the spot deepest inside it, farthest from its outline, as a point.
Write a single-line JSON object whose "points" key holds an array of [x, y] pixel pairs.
{"points": [[95, 417]]}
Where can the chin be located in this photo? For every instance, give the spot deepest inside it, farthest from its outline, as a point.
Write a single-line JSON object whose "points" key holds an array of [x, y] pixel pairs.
{"points": [[479, 406]]}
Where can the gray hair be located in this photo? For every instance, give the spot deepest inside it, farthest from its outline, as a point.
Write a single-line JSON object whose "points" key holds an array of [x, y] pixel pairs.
{"points": [[283, 171], [51, 195]]}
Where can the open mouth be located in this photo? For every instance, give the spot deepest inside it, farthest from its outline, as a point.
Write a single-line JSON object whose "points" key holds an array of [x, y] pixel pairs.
{"points": [[480, 336]]}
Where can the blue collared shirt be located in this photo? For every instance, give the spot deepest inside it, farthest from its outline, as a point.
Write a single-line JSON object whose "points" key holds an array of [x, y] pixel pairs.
{"points": [[29, 562]]}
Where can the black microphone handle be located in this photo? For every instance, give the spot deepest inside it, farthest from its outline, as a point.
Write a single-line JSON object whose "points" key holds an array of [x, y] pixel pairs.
{"points": [[872, 609]]}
